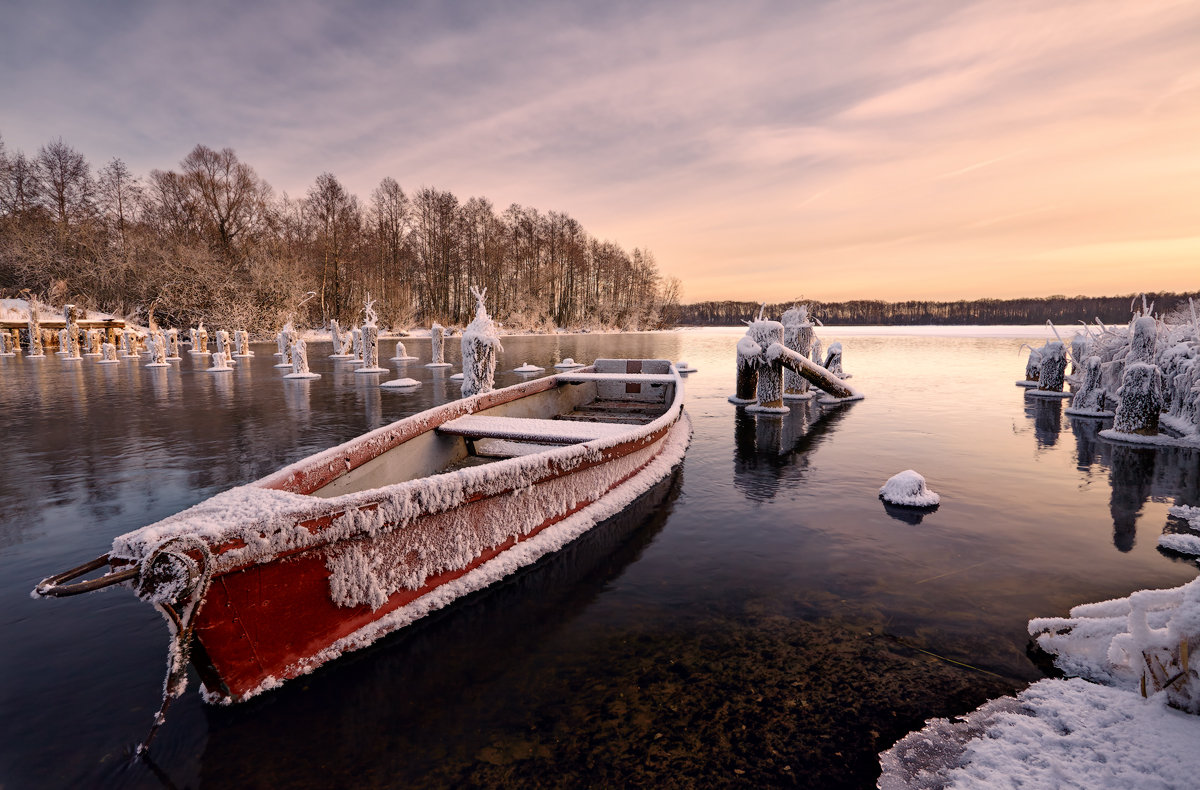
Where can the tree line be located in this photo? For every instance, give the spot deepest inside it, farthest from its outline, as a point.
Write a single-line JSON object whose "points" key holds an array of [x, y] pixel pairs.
{"points": [[212, 241], [1032, 310]]}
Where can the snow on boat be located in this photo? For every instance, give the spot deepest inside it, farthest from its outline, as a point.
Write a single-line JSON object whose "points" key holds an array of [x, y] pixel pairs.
{"points": [[268, 581]]}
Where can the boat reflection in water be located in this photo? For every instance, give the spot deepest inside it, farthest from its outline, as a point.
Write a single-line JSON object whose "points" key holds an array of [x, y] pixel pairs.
{"points": [[417, 698]]}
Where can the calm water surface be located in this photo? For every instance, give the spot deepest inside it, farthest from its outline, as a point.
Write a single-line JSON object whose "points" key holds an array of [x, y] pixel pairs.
{"points": [[759, 619]]}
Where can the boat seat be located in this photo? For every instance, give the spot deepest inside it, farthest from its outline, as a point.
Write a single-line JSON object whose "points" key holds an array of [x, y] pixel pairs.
{"points": [[529, 429], [630, 378]]}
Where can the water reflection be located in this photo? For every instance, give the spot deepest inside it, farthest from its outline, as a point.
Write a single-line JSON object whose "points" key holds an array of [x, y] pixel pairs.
{"points": [[1046, 414], [1136, 475], [772, 450]]}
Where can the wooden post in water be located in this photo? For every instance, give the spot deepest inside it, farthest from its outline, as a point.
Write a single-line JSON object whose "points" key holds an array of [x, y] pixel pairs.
{"points": [[770, 376], [798, 336]]}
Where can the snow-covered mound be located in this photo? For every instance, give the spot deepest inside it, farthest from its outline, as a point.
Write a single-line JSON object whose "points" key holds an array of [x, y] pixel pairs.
{"points": [[1056, 733], [528, 368], [401, 383], [1183, 542], [908, 488], [1141, 643], [568, 364]]}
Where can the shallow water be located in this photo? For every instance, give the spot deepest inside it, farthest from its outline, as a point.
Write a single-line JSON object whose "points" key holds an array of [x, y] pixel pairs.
{"points": [[760, 618]]}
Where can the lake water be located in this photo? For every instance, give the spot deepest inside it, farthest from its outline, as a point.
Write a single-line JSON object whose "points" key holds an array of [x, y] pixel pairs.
{"points": [[759, 619]]}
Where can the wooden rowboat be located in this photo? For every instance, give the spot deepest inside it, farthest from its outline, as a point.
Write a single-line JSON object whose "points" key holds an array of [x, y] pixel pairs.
{"points": [[268, 581]]}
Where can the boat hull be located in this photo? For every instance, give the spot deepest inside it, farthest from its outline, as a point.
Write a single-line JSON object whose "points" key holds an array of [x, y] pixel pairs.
{"points": [[269, 621]]}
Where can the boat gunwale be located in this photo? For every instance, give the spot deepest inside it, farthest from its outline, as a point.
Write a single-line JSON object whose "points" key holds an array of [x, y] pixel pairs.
{"points": [[557, 462]]}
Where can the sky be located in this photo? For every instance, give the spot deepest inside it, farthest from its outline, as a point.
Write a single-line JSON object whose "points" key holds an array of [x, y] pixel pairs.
{"points": [[761, 150]]}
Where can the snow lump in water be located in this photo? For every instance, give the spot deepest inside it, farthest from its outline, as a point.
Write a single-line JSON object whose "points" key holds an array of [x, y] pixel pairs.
{"points": [[908, 488]]}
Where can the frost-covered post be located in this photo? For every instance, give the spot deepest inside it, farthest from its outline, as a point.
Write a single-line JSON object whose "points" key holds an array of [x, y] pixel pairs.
{"points": [[1053, 367], [435, 338], [202, 338], [833, 360], [95, 338], [299, 354], [71, 317], [1143, 340], [284, 341], [108, 352], [6, 347], [62, 341], [173, 344], [1033, 365], [767, 373], [1141, 400], [35, 331], [336, 337], [241, 344], [128, 343], [369, 338], [1091, 398], [356, 340], [748, 354], [816, 351], [223, 343], [480, 343], [158, 350], [798, 336], [192, 338]]}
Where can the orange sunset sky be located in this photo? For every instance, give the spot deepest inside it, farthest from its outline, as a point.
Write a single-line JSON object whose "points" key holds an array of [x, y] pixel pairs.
{"points": [[761, 150]]}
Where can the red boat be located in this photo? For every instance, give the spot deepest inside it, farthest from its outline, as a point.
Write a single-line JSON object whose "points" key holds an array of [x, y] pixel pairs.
{"points": [[267, 581]]}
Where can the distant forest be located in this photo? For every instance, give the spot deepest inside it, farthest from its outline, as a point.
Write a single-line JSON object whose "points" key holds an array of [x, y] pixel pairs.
{"points": [[212, 241], [1059, 309]]}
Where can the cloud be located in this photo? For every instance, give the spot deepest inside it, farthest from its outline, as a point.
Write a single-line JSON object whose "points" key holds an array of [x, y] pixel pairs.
{"points": [[895, 148]]}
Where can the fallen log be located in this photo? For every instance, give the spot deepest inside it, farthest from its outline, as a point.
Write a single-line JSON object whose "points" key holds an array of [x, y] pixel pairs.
{"points": [[818, 376]]}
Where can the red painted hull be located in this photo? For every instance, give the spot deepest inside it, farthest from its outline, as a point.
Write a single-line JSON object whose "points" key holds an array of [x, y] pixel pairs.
{"points": [[267, 622]]}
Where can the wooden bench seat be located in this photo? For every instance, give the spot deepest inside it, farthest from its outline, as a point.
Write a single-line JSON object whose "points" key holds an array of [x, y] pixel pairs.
{"points": [[630, 378], [529, 429]]}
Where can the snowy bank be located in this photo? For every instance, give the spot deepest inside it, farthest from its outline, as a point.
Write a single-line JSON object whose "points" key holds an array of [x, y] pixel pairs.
{"points": [[1055, 734]]}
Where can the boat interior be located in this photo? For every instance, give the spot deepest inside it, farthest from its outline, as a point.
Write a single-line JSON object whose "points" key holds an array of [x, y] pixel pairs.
{"points": [[605, 399]]}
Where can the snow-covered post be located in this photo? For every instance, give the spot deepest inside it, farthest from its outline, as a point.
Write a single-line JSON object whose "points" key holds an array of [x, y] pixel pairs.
{"points": [[480, 343], [62, 341], [6, 347], [1033, 365], [797, 336], [748, 353], [202, 339], [435, 338], [1053, 367], [1141, 400], [833, 359], [223, 343], [71, 317], [401, 354], [816, 350], [1143, 340], [95, 339], [173, 344], [35, 332], [158, 351], [369, 338], [356, 340], [241, 344], [192, 338], [108, 353], [128, 343], [1091, 398], [284, 340], [299, 354], [336, 337]]}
